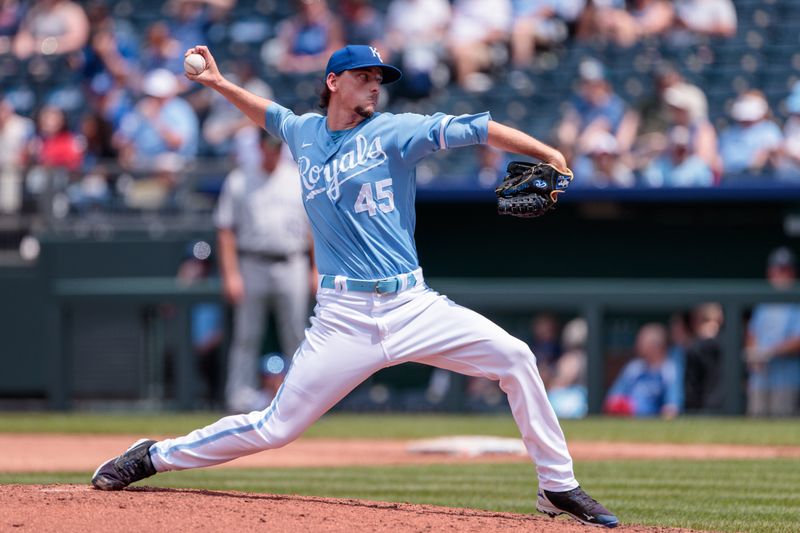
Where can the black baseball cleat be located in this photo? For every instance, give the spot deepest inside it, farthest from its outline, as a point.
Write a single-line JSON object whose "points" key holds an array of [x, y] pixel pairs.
{"points": [[131, 466], [577, 504]]}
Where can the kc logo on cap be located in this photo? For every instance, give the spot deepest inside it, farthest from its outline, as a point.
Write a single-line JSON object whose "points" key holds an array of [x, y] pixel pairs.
{"points": [[357, 56]]}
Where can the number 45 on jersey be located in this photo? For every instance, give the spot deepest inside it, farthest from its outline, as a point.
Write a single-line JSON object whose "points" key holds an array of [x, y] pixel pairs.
{"points": [[383, 198]]}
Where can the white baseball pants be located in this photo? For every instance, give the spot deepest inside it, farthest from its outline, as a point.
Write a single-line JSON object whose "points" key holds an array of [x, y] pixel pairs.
{"points": [[353, 335]]}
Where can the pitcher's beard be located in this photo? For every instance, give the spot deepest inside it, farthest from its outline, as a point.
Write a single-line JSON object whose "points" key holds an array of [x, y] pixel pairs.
{"points": [[364, 112]]}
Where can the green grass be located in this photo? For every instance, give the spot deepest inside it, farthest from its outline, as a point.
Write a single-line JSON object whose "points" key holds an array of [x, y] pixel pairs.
{"points": [[745, 495], [683, 430], [731, 495]]}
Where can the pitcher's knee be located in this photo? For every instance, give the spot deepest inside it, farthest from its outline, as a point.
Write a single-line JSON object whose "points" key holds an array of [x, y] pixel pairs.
{"points": [[516, 352], [278, 435]]}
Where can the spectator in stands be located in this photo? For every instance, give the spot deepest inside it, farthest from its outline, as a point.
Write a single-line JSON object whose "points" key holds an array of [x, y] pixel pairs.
{"points": [[567, 387], [98, 134], [653, 111], [162, 49], [55, 146], [162, 123], [225, 129], [648, 384], [625, 23], [416, 31], [789, 163], [602, 165], [678, 167], [773, 346], [91, 188], [703, 372], [363, 24], [752, 145], [110, 103], [674, 102], [542, 23], [595, 107], [543, 339], [478, 30], [308, 38], [111, 56], [189, 19], [16, 132], [680, 338], [689, 109], [52, 27], [11, 14], [715, 18]]}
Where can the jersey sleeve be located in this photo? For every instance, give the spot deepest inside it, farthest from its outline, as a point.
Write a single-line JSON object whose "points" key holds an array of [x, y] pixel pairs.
{"points": [[281, 122], [421, 135]]}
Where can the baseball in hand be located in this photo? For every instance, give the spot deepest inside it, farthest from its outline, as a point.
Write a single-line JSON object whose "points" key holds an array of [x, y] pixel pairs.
{"points": [[194, 64]]}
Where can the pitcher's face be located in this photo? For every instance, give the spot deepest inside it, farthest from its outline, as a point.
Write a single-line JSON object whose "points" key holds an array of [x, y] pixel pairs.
{"points": [[358, 90]]}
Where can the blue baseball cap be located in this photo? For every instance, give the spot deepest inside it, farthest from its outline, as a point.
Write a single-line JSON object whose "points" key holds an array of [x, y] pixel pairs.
{"points": [[361, 56]]}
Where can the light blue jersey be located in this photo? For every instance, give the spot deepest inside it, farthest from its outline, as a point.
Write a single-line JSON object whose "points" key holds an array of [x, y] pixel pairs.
{"points": [[359, 185]]}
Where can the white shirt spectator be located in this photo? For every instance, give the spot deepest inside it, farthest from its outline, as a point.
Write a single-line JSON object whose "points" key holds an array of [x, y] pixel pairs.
{"points": [[417, 29], [707, 17], [15, 133], [750, 144], [418, 22], [479, 20]]}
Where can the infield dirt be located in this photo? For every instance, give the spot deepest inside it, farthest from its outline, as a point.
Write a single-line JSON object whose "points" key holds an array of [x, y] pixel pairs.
{"points": [[81, 508]]}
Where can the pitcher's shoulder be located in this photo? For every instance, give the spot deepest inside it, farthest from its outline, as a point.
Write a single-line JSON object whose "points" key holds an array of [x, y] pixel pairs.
{"points": [[312, 118], [382, 120]]}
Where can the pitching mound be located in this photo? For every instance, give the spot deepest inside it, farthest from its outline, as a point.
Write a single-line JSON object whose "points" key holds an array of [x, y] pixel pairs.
{"points": [[81, 508]]}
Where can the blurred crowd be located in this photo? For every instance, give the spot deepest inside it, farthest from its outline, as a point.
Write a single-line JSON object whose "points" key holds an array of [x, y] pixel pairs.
{"points": [[669, 140], [94, 106], [676, 367]]}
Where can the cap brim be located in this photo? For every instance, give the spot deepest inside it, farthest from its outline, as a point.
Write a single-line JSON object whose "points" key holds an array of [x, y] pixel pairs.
{"points": [[390, 74]]}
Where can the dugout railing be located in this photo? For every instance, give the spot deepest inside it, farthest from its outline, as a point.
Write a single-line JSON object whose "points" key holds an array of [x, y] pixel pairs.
{"points": [[594, 299]]}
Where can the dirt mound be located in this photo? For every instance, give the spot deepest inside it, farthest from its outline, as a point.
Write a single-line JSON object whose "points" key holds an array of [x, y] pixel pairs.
{"points": [[81, 508]]}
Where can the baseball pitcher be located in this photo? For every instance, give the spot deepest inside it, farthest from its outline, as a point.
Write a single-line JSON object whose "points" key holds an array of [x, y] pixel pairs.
{"points": [[374, 309]]}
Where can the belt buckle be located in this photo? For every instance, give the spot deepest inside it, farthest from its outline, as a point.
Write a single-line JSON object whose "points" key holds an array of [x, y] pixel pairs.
{"points": [[378, 290]]}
